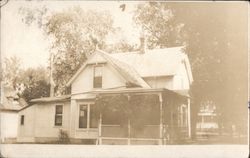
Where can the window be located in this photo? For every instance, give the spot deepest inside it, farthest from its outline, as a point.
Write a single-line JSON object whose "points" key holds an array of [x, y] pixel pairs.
{"points": [[58, 115], [97, 81], [83, 116], [88, 117], [22, 120]]}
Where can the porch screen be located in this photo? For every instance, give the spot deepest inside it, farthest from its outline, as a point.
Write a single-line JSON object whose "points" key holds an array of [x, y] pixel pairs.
{"points": [[58, 115], [83, 116]]}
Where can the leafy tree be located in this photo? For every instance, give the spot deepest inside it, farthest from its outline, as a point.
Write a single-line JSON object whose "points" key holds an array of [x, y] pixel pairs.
{"points": [[37, 90], [216, 44], [36, 14], [158, 22], [121, 46], [29, 83], [11, 71], [75, 34], [36, 83]]}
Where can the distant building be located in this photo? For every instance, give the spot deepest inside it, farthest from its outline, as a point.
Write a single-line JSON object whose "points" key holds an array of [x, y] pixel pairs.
{"points": [[11, 103], [207, 118], [159, 78]]}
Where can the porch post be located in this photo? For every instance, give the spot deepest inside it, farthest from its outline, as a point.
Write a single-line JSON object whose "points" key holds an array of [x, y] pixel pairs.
{"points": [[100, 130], [189, 118], [129, 124], [129, 131], [161, 119]]}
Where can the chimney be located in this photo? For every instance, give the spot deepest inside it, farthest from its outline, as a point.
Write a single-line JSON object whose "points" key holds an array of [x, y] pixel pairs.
{"points": [[142, 43]]}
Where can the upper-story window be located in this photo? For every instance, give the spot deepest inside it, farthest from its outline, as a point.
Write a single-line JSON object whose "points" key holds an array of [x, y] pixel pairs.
{"points": [[97, 81], [22, 120]]}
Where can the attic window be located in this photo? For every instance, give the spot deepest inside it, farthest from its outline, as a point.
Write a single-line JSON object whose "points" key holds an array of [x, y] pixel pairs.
{"points": [[22, 120], [97, 80]]}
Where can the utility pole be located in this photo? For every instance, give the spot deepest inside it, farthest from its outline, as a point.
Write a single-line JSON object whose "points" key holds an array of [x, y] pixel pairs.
{"points": [[52, 84]]}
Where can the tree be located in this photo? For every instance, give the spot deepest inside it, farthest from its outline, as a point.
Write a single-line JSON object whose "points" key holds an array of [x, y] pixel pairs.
{"points": [[28, 83], [75, 34], [36, 83], [218, 53], [12, 70], [158, 22], [36, 90]]}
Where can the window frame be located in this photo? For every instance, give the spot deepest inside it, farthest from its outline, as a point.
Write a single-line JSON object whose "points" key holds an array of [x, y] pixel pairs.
{"points": [[94, 76], [22, 120], [59, 114], [89, 104], [79, 110]]}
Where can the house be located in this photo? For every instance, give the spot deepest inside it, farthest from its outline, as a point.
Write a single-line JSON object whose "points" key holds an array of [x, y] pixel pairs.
{"points": [[11, 103], [121, 98], [207, 123]]}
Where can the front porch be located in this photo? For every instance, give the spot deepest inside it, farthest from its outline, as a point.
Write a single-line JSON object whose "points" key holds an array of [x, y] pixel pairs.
{"points": [[142, 117]]}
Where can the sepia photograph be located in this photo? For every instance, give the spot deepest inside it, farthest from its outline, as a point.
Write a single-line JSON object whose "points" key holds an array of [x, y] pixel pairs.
{"points": [[120, 79]]}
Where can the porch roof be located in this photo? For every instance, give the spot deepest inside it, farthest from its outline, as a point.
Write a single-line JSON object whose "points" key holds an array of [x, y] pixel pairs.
{"points": [[142, 90], [51, 99]]}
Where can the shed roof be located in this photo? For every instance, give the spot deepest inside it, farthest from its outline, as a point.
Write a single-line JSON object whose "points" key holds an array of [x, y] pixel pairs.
{"points": [[51, 99], [183, 93]]}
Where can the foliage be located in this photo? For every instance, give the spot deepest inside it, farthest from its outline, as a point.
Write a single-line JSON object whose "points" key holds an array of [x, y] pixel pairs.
{"points": [[36, 90], [12, 71], [74, 34], [63, 137], [217, 52], [159, 24], [36, 14], [36, 83], [121, 46], [29, 83]]}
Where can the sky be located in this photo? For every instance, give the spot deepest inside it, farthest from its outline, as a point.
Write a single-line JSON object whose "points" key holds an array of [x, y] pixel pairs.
{"points": [[30, 44]]}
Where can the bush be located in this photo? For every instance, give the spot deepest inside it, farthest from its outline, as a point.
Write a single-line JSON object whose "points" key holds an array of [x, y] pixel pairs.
{"points": [[63, 137]]}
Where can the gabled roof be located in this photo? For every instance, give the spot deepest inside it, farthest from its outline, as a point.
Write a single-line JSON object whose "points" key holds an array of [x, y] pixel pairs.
{"points": [[125, 70], [134, 66], [156, 62]]}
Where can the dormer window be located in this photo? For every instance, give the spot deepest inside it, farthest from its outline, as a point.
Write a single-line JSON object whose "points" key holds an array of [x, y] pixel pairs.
{"points": [[97, 80]]}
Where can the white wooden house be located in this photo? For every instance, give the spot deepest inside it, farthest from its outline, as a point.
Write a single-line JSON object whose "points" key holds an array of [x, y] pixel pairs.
{"points": [[120, 98], [10, 104]]}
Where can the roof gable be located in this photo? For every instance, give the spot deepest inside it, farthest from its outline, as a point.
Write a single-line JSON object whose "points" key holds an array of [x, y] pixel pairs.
{"points": [[134, 66], [127, 72]]}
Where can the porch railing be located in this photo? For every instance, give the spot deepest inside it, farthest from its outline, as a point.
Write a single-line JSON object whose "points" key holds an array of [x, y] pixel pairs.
{"points": [[122, 135], [148, 134]]}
